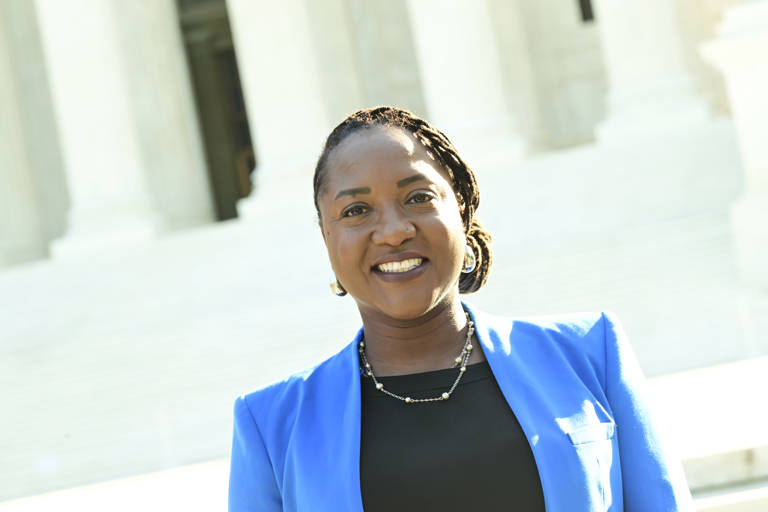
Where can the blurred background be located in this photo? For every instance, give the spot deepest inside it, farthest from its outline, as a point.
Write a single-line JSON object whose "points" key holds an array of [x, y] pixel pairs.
{"points": [[159, 254]]}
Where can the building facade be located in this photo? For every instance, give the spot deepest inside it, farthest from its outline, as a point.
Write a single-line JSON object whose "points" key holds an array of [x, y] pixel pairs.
{"points": [[156, 218]]}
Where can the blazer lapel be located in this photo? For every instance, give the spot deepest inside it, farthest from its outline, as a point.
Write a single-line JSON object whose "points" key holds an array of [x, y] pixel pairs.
{"points": [[338, 424], [510, 373]]}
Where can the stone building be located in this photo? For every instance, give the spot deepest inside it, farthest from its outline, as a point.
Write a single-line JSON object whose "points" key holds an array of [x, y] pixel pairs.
{"points": [[156, 219]]}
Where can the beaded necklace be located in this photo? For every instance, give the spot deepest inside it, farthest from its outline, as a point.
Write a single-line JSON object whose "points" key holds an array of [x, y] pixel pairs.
{"points": [[461, 359]]}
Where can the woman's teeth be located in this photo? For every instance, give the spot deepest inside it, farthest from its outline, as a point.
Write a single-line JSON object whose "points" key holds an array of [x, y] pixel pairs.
{"points": [[400, 266]]}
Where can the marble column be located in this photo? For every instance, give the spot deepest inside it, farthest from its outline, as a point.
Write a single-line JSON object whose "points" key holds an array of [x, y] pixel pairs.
{"points": [[333, 29], [460, 73], [162, 104], [110, 200], [21, 232], [511, 27], [283, 94], [740, 52], [385, 57], [133, 158], [650, 88]]}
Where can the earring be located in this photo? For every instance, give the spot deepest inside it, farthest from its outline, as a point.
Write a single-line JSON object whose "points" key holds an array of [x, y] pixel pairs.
{"points": [[470, 260], [337, 289]]}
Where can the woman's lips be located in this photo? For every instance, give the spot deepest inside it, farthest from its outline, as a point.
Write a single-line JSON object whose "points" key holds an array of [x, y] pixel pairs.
{"points": [[396, 257], [399, 266], [396, 277]]}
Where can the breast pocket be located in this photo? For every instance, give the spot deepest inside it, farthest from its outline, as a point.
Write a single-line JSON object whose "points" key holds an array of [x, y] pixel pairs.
{"points": [[592, 433], [595, 445]]}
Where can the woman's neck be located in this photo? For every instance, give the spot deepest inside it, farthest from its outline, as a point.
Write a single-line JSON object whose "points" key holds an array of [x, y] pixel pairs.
{"points": [[427, 343]]}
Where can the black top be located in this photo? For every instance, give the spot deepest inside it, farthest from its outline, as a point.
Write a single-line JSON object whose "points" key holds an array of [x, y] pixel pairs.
{"points": [[465, 454]]}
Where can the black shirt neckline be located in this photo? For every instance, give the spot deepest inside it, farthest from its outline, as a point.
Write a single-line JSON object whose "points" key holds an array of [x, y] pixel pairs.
{"points": [[426, 381]]}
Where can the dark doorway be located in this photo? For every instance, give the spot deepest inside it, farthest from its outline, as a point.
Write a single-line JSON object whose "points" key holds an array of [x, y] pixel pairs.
{"points": [[219, 100], [585, 6]]}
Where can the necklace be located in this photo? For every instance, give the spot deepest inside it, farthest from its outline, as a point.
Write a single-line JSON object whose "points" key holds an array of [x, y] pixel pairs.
{"points": [[461, 359]]}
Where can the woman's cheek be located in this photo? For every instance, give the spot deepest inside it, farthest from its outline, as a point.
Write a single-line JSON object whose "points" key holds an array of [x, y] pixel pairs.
{"points": [[346, 251]]}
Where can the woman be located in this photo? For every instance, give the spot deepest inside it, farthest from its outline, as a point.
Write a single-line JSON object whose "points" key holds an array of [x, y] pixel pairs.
{"points": [[436, 405]]}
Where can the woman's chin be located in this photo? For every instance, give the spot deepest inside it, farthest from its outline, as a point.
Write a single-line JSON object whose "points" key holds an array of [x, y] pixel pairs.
{"points": [[407, 306]]}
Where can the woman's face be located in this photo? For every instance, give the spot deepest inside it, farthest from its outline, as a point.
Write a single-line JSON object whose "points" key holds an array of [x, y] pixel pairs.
{"points": [[391, 223]]}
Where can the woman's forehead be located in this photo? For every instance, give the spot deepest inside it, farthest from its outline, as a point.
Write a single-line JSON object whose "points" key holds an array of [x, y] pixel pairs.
{"points": [[368, 143], [383, 149]]}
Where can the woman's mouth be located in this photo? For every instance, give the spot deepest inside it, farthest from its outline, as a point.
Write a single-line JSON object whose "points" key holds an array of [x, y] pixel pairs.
{"points": [[397, 267], [402, 270]]}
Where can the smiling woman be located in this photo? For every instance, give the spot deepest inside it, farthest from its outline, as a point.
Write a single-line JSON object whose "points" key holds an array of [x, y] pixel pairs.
{"points": [[391, 223], [435, 405], [421, 147]]}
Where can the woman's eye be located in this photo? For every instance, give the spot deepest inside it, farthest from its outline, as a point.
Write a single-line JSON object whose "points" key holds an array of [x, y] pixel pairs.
{"points": [[353, 211], [421, 197]]}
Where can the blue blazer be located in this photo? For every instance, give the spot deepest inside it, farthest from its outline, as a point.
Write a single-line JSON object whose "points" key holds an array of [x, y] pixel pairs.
{"points": [[572, 382]]}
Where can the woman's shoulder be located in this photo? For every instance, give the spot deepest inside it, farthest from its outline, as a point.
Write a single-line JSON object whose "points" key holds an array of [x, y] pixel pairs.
{"points": [[580, 338], [288, 393], [563, 327]]}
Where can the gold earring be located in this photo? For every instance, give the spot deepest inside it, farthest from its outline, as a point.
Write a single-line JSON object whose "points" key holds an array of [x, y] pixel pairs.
{"points": [[337, 289]]}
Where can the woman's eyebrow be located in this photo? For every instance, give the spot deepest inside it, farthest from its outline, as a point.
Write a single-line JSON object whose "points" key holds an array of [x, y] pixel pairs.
{"points": [[416, 177], [353, 192], [367, 190]]}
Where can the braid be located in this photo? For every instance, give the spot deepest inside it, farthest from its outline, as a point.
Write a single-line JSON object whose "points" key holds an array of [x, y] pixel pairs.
{"points": [[442, 149]]}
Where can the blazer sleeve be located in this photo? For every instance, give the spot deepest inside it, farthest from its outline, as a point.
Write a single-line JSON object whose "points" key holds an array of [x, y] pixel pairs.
{"points": [[652, 478], [252, 482]]}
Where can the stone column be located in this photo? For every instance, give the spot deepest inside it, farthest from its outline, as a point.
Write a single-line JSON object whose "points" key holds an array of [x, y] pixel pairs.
{"points": [[162, 104], [133, 158], [385, 57], [21, 232], [510, 22], [110, 200], [459, 65], [333, 42], [650, 88], [286, 112], [740, 52]]}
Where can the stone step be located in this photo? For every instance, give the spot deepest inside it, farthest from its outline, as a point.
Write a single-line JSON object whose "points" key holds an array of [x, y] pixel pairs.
{"points": [[714, 419], [194, 488], [747, 498]]}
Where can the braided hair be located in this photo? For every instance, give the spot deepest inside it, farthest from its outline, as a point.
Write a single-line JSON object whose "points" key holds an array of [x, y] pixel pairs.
{"points": [[440, 147]]}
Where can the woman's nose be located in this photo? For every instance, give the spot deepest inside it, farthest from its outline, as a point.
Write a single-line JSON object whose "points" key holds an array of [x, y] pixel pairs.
{"points": [[393, 228]]}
